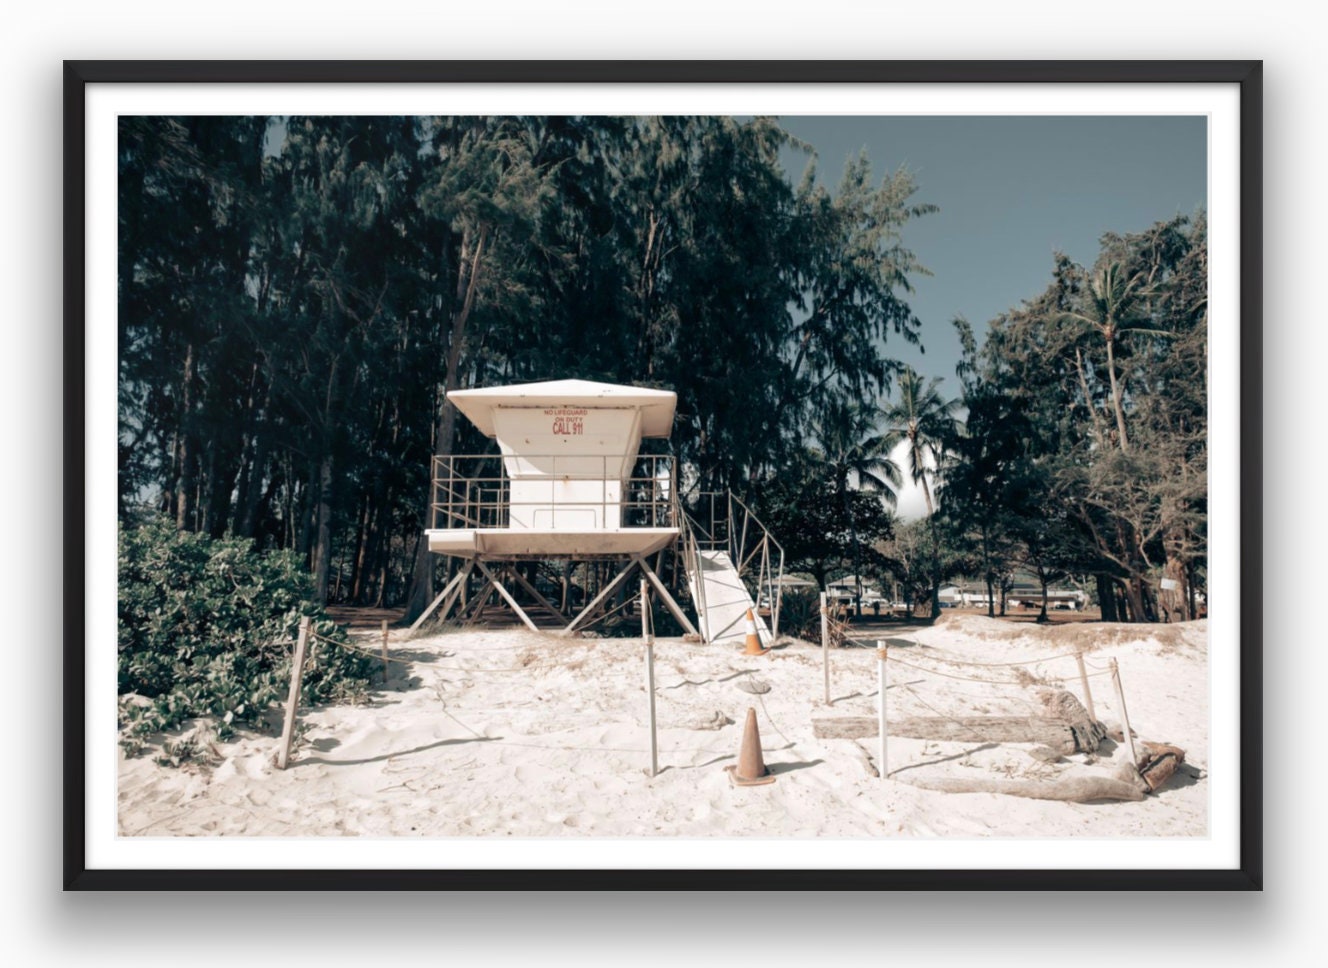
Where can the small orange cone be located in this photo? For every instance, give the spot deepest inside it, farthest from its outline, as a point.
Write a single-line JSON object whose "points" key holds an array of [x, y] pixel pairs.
{"points": [[750, 770], [753, 646]]}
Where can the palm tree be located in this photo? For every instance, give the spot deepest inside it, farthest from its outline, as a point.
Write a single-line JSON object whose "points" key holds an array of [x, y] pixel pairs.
{"points": [[850, 447], [924, 419], [1114, 310]]}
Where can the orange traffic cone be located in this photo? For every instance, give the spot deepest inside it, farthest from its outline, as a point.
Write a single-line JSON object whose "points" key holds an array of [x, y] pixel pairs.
{"points": [[750, 770], [753, 646]]}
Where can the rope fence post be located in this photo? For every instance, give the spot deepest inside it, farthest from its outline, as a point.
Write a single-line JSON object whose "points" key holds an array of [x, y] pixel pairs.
{"points": [[825, 646], [881, 653], [1124, 715], [1083, 681], [650, 675], [386, 668], [297, 673]]}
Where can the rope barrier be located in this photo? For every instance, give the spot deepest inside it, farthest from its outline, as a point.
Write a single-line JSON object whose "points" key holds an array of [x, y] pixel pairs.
{"points": [[537, 668], [496, 648], [396, 657], [909, 690], [773, 725], [990, 665], [936, 655], [992, 698], [480, 736], [376, 654], [995, 682]]}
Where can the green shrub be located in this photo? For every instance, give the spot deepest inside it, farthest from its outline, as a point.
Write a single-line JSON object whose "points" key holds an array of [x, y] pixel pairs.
{"points": [[800, 614], [206, 629]]}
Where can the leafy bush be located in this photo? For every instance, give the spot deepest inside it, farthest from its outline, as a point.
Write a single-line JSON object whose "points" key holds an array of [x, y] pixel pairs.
{"points": [[800, 614], [207, 629]]}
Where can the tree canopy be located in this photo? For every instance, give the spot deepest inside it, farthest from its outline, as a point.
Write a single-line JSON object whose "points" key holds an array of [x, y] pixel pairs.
{"points": [[298, 294], [1085, 450]]}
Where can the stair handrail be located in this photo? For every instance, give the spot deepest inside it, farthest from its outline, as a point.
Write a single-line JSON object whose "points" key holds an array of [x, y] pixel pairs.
{"points": [[693, 562], [738, 521], [765, 576]]}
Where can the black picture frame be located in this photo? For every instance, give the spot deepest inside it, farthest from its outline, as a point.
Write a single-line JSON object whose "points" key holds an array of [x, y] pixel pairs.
{"points": [[1246, 75]]}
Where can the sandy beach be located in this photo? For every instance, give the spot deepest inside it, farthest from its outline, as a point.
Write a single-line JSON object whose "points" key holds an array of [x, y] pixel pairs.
{"points": [[508, 732]]}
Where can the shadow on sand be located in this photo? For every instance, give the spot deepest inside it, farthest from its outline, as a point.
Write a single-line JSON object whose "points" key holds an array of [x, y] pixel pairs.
{"points": [[457, 741]]}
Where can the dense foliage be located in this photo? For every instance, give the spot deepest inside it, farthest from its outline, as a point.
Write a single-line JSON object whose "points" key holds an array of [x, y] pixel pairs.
{"points": [[206, 629], [297, 294], [1085, 450]]}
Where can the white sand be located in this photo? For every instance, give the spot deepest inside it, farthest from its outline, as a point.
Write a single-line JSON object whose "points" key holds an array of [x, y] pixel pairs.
{"points": [[513, 733]]}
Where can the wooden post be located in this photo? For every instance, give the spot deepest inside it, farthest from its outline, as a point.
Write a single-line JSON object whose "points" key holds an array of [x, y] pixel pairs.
{"points": [[825, 646], [881, 653], [386, 670], [650, 676], [1125, 716], [1083, 681], [297, 673]]}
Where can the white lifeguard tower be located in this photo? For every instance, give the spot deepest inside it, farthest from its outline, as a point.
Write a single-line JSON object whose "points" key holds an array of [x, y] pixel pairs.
{"points": [[569, 483]]}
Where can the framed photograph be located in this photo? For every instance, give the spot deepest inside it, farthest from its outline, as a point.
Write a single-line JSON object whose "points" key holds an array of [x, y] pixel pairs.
{"points": [[663, 475]]}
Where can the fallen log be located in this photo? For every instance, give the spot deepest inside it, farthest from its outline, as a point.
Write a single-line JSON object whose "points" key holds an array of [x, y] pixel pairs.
{"points": [[1078, 789], [968, 729], [1064, 726], [1158, 763], [1063, 706]]}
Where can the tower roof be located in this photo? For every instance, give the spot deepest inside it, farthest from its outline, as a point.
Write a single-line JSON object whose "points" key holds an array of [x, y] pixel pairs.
{"points": [[656, 406]]}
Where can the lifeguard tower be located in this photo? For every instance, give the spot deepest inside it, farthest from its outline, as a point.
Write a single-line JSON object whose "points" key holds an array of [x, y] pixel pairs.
{"points": [[569, 484]]}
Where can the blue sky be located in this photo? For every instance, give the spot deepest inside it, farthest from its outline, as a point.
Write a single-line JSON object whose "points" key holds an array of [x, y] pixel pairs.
{"points": [[1011, 192]]}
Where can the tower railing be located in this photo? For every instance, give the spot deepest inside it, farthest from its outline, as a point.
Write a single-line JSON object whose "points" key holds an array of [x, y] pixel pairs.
{"points": [[476, 491]]}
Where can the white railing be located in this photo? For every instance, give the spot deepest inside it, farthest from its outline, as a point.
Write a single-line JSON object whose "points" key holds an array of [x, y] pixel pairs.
{"points": [[476, 491], [731, 526]]}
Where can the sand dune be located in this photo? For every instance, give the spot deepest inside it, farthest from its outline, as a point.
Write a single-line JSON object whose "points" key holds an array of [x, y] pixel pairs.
{"points": [[510, 733]]}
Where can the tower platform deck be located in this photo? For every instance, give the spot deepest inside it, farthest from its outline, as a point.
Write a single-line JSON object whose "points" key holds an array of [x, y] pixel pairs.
{"points": [[542, 544]]}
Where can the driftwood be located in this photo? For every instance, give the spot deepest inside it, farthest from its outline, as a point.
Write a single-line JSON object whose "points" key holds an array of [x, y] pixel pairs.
{"points": [[1158, 763], [964, 729], [1156, 766], [1079, 789], [1064, 727], [1058, 704]]}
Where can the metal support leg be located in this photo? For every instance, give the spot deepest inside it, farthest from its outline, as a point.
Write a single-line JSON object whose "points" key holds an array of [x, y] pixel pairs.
{"points": [[669, 603], [447, 590], [506, 595], [530, 589], [604, 593]]}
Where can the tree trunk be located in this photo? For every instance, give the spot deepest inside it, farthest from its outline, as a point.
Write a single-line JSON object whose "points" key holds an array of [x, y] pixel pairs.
{"points": [[935, 552], [323, 545], [184, 485], [217, 515], [1116, 392], [1106, 601], [468, 276], [1173, 568], [252, 472], [362, 542], [857, 553]]}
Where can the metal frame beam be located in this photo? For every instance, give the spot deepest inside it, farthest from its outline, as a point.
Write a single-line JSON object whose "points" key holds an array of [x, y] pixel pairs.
{"points": [[521, 580], [451, 586], [506, 595], [605, 592], [672, 606]]}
